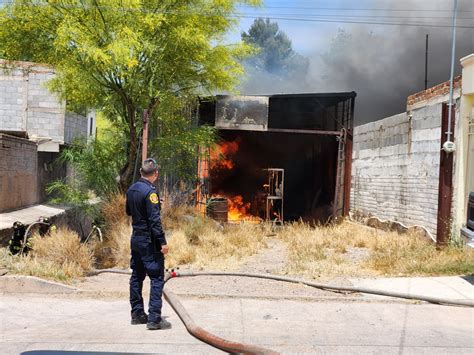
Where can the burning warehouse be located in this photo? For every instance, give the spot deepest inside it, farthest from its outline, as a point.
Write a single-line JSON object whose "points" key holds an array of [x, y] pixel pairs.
{"points": [[279, 158]]}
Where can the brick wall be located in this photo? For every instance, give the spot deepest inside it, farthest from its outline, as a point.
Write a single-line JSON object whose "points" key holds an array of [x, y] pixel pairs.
{"points": [[18, 172], [396, 167], [434, 92]]}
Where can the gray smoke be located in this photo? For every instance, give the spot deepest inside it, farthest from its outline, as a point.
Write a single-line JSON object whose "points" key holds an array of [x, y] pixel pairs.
{"points": [[383, 64]]}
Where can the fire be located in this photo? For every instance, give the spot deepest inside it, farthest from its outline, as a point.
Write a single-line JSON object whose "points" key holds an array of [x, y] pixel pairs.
{"points": [[220, 156], [221, 159], [238, 211], [237, 208]]}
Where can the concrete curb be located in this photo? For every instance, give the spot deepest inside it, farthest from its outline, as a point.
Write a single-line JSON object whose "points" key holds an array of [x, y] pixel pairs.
{"points": [[32, 284]]}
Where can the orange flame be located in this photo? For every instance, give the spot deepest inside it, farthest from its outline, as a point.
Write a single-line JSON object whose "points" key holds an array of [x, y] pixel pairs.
{"points": [[220, 156], [237, 208], [221, 159]]}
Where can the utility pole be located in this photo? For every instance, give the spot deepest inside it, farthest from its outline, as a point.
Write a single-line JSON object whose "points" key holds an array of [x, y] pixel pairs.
{"points": [[451, 78], [426, 63], [145, 135], [446, 165]]}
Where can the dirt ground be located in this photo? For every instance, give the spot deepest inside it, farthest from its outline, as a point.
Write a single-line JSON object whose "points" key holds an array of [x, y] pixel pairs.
{"points": [[271, 260]]}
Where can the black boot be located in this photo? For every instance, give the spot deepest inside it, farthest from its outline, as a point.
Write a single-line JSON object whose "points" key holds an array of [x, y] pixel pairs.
{"points": [[161, 325], [140, 318]]}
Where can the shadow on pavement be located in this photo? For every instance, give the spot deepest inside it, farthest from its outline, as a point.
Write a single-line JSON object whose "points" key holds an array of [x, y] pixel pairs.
{"points": [[469, 278]]}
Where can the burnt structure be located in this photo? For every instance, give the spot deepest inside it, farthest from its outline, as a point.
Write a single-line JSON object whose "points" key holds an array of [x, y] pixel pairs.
{"points": [[308, 136]]}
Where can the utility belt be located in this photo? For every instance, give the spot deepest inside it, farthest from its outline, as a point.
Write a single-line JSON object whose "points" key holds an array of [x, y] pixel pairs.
{"points": [[145, 234], [141, 233]]}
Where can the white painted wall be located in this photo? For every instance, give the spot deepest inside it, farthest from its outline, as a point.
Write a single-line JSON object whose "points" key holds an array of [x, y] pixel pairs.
{"points": [[464, 162]]}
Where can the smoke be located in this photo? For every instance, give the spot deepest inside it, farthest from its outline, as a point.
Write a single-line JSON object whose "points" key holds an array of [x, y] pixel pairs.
{"points": [[383, 64]]}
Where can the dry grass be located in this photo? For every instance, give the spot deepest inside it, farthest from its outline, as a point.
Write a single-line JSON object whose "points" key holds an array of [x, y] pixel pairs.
{"points": [[411, 254], [114, 251], [202, 243], [193, 239], [321, 251], [349, 249], [345, 249], [59, 256]]}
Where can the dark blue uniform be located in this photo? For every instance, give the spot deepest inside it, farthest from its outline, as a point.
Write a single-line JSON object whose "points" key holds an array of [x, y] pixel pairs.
{"points": [[144, 206]]}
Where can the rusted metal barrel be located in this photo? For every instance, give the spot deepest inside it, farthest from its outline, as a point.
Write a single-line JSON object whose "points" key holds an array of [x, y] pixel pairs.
{"points": [[217, 209]]}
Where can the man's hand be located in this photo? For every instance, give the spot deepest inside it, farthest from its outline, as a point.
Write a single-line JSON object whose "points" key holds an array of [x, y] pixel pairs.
{"points": [[164, 249]]}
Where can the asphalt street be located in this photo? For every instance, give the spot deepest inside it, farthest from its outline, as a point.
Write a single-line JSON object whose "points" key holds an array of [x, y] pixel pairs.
{"points": [[71, 324]]}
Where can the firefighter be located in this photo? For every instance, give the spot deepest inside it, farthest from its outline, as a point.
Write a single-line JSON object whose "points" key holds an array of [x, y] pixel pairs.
{"points": [[148, 247]]}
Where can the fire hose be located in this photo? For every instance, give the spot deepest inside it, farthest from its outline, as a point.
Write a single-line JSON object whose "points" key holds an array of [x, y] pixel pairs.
{"points": [[25, 237], [234, 347]]}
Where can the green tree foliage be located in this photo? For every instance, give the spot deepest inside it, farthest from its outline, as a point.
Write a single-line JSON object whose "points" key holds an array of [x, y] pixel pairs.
{"points": [[276, 55], [124, 56], [95, 167], [96, 164], [178, 137]]}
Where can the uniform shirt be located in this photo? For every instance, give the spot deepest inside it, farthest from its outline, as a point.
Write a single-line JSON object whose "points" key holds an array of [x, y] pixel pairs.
{"points": [[143, 204]]}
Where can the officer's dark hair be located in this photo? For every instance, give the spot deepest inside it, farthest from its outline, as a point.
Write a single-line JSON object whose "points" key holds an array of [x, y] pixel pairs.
{"points": [[149, 166]]}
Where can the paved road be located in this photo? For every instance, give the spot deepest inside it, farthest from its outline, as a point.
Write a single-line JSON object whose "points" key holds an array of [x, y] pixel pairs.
{"points": [[32, 323]]}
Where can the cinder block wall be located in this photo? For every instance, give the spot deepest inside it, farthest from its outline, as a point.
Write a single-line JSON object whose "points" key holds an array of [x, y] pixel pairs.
{"points": [[75, 127], [45, 110], [396, 167], [18, 172], [12, 97], [26, 104]]}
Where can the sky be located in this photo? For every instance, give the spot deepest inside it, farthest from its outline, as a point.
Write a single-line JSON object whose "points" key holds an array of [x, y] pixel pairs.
{"points": [[310, 36], [382, 63]]}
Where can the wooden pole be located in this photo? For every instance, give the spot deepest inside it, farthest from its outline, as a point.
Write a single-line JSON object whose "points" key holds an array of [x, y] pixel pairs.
{"points": [[145, 135]]}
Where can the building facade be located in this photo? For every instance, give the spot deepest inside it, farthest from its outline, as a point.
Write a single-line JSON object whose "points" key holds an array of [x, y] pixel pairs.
{"points": [[34, 127]]}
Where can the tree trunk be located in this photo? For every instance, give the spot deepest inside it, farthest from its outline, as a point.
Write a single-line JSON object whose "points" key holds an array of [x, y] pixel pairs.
{"points": [[126, 174]]}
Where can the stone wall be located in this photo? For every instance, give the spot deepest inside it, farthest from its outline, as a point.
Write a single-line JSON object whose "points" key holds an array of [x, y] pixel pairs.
{"points": [[18, 172], [396, 167]]}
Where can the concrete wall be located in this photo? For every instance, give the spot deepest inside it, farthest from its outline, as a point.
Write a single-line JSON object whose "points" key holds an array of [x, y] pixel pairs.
{"points": [[12, 100], [45, 111], [26, 104], [18, 172], [75, 126], [396, 167]]}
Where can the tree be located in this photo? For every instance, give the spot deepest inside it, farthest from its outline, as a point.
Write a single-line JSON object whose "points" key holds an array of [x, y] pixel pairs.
{"points": [[123, 56], [276, 55]]}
